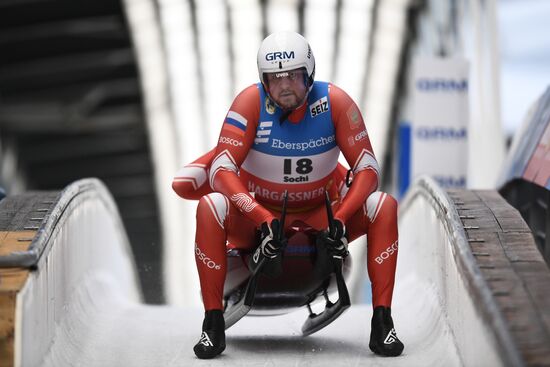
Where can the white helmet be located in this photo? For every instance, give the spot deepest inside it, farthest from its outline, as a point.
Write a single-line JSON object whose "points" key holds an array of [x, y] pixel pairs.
{"points": [[283, 51]]}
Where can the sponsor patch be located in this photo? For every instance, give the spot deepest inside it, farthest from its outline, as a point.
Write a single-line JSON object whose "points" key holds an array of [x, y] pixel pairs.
{"points": [[263, 132], [362, 135], [274, 56], [318, 107], [229, 141], [292, 195], [210, 264], [269, 106], [354, 117], [392, 249], [303, 146]]}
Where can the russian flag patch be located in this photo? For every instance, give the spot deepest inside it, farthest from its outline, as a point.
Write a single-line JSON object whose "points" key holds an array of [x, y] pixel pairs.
{"points": [[235, 119]]}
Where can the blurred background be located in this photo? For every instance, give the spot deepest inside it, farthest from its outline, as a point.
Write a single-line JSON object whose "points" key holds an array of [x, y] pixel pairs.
{"points": [[129, 91]]}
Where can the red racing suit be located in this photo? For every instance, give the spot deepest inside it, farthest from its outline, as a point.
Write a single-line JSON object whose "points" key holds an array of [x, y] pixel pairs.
{"points": [[260, 154]]}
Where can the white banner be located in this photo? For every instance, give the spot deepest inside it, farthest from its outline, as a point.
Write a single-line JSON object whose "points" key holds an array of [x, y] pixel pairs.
{"points": [[439, 120]]}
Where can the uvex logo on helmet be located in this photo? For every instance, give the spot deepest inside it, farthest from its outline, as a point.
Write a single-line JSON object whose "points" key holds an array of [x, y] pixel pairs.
{"points": [[273, 56]]}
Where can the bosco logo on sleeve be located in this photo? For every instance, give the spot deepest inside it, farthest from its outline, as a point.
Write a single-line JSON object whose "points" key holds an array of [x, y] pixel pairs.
{"points": [[226, 140]]}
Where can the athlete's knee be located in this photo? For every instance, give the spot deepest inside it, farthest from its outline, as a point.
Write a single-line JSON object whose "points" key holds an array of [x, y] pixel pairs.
{"points": [[380, 202], [390, 204], [214, 206]]}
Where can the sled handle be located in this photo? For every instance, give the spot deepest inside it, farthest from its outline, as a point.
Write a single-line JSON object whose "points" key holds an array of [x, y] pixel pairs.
{"points": [[283, 215], [330, 215]]}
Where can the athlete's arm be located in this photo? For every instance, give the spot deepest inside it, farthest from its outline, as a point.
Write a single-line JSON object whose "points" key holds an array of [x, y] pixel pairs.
{"points": [[191, 181], [236, 138], [353, 140]]}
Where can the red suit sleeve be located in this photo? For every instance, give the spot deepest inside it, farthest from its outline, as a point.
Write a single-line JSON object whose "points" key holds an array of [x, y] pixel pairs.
{"points": [[236, 139], [191, 181], [354, 143]]}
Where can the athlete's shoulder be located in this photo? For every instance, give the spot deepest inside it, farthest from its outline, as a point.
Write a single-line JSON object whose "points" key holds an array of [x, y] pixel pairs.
{"points": [[337, 94], [250, 93], [342, 105], [247, 103]]}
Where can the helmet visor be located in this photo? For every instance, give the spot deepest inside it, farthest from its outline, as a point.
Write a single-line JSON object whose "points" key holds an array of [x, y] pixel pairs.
{"points": [[287, 76]]}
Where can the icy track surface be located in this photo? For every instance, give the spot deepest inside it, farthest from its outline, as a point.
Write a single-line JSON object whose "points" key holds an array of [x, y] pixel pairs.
{"points": [[162, 336], [127, 334]]}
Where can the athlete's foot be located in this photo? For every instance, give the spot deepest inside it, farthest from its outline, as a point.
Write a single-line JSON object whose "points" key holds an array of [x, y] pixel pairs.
{"points": [[212, 341], [383, 339]]}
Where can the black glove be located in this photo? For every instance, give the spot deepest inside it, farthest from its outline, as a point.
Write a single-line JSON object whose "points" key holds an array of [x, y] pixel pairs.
{"points": [[335, 240], [271, 248]]}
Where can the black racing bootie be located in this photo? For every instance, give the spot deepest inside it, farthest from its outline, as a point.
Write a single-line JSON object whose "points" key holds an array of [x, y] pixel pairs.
{"points": [[383, 339], [212, 341]]}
